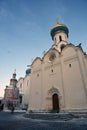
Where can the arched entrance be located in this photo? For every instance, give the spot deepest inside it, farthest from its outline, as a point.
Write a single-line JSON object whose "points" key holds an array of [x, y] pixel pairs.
{"points": [[55, 101]]}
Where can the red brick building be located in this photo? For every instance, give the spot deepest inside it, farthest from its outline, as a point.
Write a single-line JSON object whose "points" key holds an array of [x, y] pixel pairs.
{"points": [[11, 95]]}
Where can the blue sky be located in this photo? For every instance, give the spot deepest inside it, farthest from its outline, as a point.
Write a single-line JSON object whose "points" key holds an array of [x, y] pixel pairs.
{"points": [[25, 31]]}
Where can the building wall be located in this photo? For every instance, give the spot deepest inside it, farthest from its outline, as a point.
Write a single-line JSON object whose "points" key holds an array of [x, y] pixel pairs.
{"points": [[66, 76], [26, 86], [20, 85], [35, 93], [11, 96], [74, 77]]}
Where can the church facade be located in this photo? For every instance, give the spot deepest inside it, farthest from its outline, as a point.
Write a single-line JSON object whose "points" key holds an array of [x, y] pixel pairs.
{"points": [[58, 80]]}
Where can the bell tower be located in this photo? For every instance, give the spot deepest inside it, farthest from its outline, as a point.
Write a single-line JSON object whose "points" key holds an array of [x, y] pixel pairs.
{"points": [[13, 80], [59, 34]]}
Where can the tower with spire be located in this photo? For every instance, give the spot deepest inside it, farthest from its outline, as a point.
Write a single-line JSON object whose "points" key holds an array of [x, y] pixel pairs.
{"points": [[11, 95], [13, 80]]}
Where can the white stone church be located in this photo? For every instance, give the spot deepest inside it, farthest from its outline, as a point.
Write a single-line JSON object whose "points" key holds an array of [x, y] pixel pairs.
{"points": [[58, 80]]}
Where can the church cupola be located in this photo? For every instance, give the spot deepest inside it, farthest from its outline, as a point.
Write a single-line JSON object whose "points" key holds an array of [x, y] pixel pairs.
{"points": [[59, 34], [28, 71], [14, 74]]}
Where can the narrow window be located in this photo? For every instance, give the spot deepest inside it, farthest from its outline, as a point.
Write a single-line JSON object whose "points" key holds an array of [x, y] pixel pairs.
{"points": [[52, 70], [55, 39], [60, 38], [37, 75], [70, 65]]}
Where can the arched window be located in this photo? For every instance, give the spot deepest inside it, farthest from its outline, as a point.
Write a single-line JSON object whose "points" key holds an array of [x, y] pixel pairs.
{"points": [[60, 38], [55, 39]]}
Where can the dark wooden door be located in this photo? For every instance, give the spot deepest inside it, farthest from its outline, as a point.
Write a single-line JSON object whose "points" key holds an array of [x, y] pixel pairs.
{"points": [[55, 102]]}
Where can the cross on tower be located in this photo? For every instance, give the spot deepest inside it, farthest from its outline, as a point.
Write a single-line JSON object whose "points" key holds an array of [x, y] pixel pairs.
{"points": [[57, 20]]}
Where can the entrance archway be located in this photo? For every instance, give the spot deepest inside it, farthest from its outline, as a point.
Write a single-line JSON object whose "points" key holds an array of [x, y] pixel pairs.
{"points": [[55, 101]]}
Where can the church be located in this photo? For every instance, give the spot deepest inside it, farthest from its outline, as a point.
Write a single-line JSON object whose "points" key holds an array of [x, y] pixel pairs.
{"points": [[58, 80], [11, 95]]}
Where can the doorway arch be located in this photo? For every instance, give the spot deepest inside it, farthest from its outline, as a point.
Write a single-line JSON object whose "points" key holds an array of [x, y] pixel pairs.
{"points": [[55, 100]]}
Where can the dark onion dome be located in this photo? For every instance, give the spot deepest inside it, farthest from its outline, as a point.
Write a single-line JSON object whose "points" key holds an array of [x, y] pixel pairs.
{"points": [[28, 71], [58, 28]]}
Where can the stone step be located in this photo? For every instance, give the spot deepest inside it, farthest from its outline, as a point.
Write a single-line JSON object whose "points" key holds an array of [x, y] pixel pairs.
{"points": [[79, 114], [50, 116]]}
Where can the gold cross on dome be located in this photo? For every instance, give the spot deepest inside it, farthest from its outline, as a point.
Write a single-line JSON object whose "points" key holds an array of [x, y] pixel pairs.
{"points": [[15, 71], [57, 20]]}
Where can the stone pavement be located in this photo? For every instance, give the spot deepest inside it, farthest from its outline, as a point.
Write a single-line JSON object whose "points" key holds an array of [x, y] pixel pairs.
{"points": [[57, 121], [44, 121]]}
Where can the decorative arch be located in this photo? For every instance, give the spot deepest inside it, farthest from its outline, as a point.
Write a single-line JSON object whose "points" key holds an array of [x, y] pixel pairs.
{"points": [[55, 97], [53, 90], [37, 59], [69, 48], [62, 46], [51, 54]]}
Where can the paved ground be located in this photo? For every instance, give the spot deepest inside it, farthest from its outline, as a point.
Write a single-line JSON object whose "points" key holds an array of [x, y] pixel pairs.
{"points": [[20, 121]]}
